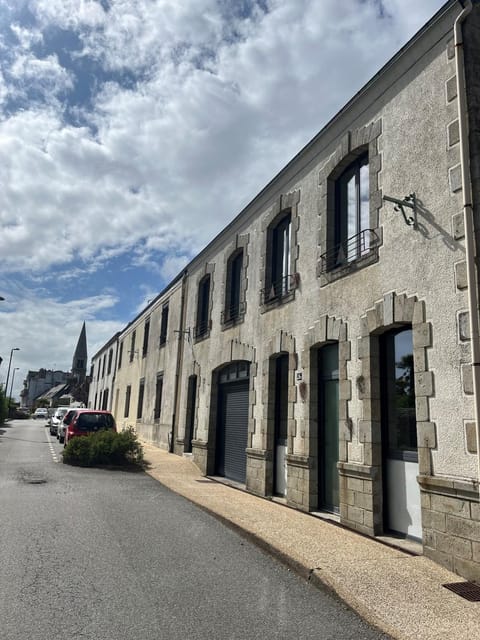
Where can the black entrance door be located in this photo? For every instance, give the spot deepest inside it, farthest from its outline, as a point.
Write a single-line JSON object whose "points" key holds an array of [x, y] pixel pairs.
{"points": [[232, 431], [190, 423]]}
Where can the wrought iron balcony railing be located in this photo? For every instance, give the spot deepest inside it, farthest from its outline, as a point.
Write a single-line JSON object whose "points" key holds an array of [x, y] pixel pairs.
{"points": [[348, 251], [201, 329], [279, 289], [233, 313]]}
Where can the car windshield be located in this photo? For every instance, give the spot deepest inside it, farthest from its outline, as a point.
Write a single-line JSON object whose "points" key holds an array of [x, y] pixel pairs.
{"points": [[94, 421], [68, 416]]}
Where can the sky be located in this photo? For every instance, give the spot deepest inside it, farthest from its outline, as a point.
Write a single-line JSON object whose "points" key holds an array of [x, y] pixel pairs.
{"points": [[133, 131]]}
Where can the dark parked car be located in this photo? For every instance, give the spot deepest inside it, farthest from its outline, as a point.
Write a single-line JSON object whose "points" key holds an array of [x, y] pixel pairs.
{"points": [[87, 421]]}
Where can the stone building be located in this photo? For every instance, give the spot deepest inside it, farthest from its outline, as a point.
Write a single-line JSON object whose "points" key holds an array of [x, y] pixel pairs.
{"points": [[38, 383], [321, 349], [103, 375], [148, 367]]}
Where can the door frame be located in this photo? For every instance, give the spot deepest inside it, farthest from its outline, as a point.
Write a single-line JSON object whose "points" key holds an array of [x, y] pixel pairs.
{"points": [[321, 469], [278, 393], [407, 456], [225, 376]]}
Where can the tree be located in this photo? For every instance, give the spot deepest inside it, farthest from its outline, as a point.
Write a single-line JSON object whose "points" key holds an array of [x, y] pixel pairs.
{"points": [[3, 406]]}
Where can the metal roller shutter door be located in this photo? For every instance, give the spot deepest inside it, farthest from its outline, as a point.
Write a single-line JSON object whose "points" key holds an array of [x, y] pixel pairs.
{"points": [[233, 430]]}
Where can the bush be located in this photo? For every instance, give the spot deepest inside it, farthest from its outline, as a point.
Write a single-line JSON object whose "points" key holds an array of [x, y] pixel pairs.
{"points": [[77, 452], [104, 448]]}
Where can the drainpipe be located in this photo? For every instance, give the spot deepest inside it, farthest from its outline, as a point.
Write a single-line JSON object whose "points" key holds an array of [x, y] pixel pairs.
{"points": [[181, 339], [468, 217]]}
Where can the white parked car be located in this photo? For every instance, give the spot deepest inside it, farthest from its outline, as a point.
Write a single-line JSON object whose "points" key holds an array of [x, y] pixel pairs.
{"points": [[56, 419], [41, 413]]}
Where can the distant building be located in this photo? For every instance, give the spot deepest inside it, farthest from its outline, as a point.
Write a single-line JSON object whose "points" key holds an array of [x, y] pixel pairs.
{"points": [[106, 362], [59, 387], [39, 382]]}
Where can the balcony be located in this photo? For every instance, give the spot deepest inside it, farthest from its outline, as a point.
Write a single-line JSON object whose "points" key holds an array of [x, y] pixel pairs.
{"points": [[234, 313], [351, 252], [280, 289], [201, 330]]}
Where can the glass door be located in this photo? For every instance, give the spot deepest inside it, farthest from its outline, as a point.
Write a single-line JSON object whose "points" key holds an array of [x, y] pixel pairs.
{"points": [[328, 428], [399, 435]]}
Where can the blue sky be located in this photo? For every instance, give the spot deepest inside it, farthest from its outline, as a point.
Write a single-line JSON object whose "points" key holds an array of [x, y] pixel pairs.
{"points": [[133, 131]]}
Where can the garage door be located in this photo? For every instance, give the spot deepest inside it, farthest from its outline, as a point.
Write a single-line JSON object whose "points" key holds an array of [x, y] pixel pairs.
{"points": [[232, 430]]}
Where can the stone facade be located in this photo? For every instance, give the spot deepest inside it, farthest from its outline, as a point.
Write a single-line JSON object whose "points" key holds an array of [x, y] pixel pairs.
{"points": [[306, 286]]}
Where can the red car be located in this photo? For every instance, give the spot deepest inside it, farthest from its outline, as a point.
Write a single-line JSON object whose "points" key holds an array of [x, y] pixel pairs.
{"points": [[87, 421]]}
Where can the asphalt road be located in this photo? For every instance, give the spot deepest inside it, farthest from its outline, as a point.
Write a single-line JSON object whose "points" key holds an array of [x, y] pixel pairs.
{"points": [[113, 555]]}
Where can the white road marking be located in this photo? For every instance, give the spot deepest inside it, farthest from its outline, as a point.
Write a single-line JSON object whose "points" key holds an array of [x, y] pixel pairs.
{"points": [[50, 446]]}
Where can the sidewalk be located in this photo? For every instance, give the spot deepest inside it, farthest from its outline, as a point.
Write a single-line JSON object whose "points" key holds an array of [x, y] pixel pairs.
{"points": [[399, 593]]}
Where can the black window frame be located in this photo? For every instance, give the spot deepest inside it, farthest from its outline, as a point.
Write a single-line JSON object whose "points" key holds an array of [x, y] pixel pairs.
{"points": [[110, 360], [157, 411], [128, 395], [389, 393], [234, 308], [120, 355], [164, 325], [132, 344], [280, 280], [350, 247], [202, 325], [105, 400], [141, 396], [146, 336]]}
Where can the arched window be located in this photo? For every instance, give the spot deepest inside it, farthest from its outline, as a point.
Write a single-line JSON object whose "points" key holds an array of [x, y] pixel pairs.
{"points": [[234, 305], [279, 279], [352, 212], [203, 308]]}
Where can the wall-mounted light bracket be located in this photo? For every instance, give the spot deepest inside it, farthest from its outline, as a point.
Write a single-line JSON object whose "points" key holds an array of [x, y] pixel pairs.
{"points": [[183, 332], [410, 202]]}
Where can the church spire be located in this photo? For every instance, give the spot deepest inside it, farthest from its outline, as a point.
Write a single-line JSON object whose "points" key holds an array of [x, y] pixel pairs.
{"points": [[79, 363]]}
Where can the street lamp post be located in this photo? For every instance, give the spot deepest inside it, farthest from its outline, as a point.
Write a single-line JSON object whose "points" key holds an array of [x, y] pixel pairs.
{"points": [[11, 387], [8, 371]]}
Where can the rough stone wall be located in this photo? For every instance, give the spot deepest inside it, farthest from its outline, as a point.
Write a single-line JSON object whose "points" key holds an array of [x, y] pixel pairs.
{"points": [[451, 522]]}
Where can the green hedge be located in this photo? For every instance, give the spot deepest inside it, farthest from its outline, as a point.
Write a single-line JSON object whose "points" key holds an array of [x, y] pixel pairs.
{"points": [[104, 448]]}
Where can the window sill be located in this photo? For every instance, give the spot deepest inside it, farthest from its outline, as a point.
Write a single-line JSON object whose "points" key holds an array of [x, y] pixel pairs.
{"points": [[228, 324], [276, 302], [326, 277], [201, 337]]}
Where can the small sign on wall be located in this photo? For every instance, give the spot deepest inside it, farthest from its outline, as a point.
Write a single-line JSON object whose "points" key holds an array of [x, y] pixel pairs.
{"points": [[299, 376]]}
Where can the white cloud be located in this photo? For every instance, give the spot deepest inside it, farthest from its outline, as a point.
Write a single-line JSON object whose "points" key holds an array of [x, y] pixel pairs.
{"points": [[188, 143]]}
